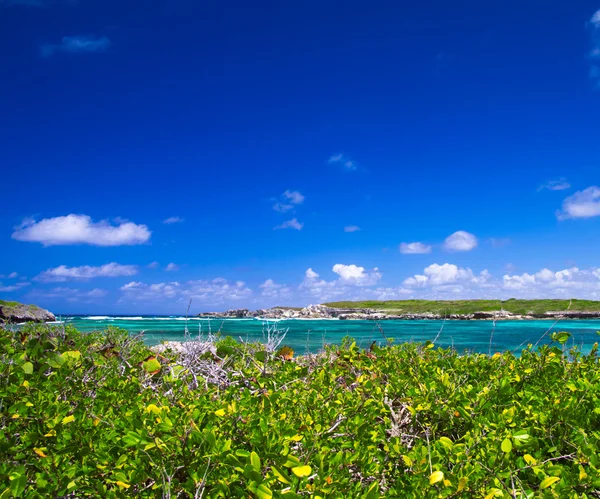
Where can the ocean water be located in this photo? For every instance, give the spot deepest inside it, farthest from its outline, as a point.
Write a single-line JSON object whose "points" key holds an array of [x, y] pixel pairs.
{"points": [[310, 335]]}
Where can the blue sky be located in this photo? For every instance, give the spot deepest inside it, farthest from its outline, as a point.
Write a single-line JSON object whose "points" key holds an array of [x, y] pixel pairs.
{"points": [[249, 155]]}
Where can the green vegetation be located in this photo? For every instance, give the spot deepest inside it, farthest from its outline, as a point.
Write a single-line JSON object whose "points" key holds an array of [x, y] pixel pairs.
{"points": [[99, 415], [521, 307], [14, 304]]}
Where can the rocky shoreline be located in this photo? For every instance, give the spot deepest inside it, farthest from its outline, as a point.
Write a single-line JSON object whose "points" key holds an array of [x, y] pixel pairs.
{"points": [[324, 312], [14, 313]]}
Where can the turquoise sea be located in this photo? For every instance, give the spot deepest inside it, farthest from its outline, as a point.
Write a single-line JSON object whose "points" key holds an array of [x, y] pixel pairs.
{"points": [[310, 335]]}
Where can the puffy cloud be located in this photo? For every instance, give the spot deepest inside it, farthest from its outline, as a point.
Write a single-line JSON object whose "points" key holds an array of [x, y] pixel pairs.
{"points": [[460, 241], [353, 283], [290, 224], [351, 228], [559, 184], [288, 201], [142, 291], [415, 248], [79, 229], [64, 273], [582, 204], [572, 281], [219, 291], [172, 267], [76, 45], [271, 289], [354, 275], [173, 220], [449, 278], [344, 161]]}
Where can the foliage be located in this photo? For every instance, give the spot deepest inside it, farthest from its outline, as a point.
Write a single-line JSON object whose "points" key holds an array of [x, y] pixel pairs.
{"points": [[513, 305], [99, 415]]}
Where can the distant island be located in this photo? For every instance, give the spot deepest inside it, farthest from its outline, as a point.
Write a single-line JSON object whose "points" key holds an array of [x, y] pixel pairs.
{"points": [[511, 309]]}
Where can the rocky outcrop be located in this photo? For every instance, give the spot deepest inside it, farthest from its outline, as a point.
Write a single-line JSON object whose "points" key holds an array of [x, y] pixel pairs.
{"points": [[13, 312], [324, 312]]}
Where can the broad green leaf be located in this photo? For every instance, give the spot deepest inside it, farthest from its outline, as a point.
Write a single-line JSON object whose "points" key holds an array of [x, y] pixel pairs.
{"points": [[547, 482], [68, 419], [151, 366], [27, 368], [435, 477], [506, 445], [446, 442], [261, 490], [301, 471], [521, 435], [255, 461], [494, 492]]}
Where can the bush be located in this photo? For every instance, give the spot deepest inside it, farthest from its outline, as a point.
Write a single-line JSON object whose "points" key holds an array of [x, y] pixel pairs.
{"points": [[100, 415]]}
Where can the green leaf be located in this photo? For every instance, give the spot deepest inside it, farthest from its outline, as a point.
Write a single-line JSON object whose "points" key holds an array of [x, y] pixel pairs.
{"points": [[435, 477], [547, 482], [255, 461], [562, 337], [27, 368], [261, 490], [301, 471], [506, 445], [446, 442], [151, 366], [521, 435]]}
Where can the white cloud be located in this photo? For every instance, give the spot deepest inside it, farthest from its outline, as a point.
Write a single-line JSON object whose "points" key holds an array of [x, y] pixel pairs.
{"points": [[70, 294], [8, 289], [76, 45], [343, 160], [460, 241], [172, 220], [288, 201], [547, 283], [351, 228], [142, 291], [582, 204], [64, 273], [12, 275], [290, 224], [354, 275], [354, 282], [153, 265], [443, 280], [559, 184], [270, 289], [415, 248], [595, 20], [79, 229], [172, 267], [219, 291]]}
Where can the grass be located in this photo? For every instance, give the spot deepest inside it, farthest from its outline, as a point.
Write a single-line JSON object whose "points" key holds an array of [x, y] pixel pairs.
{"points": [[470, 306]]}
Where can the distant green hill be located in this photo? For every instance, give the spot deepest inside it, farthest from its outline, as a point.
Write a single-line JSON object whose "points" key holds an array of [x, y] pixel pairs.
{"points": [[470, 306]]}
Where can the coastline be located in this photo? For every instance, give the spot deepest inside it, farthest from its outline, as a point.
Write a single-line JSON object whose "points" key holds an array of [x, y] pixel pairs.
{"points": [[323, 312]]}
